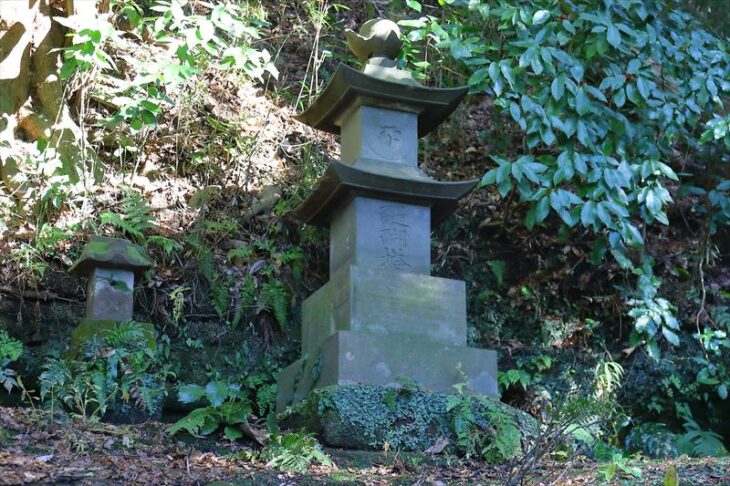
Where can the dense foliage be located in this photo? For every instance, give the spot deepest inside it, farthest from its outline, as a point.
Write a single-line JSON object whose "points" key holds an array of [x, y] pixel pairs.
{"points": [[609, 95], [606, 93], [116, 370]]}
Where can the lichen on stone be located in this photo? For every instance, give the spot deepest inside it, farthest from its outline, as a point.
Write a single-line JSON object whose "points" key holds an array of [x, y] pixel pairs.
{"points": [[369, 417]]}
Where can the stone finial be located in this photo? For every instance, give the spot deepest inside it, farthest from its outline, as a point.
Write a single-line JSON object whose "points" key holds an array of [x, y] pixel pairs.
{"points": [[116, 253], [377, 38], [380, 84]]}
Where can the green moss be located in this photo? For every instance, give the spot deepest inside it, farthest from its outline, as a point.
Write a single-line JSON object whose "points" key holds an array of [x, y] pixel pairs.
{"points": [[102, 251], [98, 248], [121, 286], [135, 254]]}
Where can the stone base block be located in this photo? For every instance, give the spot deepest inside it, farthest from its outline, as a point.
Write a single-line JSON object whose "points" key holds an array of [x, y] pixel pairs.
{"points": [[385, 303], [88, 328], [368, 417], [349, 358]]}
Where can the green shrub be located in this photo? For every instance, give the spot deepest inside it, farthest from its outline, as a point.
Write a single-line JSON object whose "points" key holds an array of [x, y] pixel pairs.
{"points": [[603, 92]]}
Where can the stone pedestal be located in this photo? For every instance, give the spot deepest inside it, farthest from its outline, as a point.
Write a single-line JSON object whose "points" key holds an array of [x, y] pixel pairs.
{"points": [[382, 318], [385, 303]]}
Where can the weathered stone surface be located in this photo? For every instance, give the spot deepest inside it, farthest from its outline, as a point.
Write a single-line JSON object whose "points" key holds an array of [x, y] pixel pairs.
{"points": [[381, 234], [380, 134], [105, 252], [368, 417], [348, 358], [110, 294], [385, 303], [377, 37]]}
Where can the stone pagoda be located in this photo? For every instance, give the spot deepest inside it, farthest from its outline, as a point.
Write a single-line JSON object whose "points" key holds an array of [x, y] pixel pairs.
{"points": [[382, 317]]}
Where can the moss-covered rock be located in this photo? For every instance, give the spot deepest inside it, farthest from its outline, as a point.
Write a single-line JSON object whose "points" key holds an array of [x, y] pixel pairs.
{"points": [[90, 328], [369, 417]]}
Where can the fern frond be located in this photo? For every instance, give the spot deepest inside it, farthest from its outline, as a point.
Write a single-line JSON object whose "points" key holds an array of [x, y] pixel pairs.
{"points": [[246, 299], [220, 298], [275, 297], [9, 348], [195, 422], [127, 334], [135, 217], [235, 412], [168, 246]]}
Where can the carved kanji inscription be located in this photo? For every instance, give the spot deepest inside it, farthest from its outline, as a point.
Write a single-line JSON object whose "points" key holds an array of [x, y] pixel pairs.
{"points": [[393, 237]]}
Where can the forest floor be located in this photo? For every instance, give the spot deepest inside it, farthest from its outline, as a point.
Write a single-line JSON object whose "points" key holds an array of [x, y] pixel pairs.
{"points": [[35, 449]]}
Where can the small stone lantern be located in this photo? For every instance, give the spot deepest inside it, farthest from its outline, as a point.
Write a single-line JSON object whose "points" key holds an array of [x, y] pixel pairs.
{"points": [[111, 265]]}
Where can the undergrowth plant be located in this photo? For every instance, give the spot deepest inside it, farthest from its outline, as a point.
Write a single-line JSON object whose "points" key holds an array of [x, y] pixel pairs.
{"points": [[572, 421], [113, 368], [197, 36], [482, 428], [10, 350], [134, 218], [698, 442], [492, 435], [293, 452], [228, 407], [528, 372]]}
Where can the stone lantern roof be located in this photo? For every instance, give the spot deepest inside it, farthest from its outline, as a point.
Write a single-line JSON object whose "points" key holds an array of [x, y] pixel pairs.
{"points": [[342, 181], [116, 253], [350, 88]]}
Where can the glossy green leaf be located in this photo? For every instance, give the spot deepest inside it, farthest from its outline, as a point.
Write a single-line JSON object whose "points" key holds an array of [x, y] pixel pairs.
{"points": [[582, 105], [414, 5], [190, 393], [540, 17], [613, 36], [557, 88]]}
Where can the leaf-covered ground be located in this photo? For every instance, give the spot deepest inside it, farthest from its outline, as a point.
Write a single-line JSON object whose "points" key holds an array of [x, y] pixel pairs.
{"points": [[36, 450]]}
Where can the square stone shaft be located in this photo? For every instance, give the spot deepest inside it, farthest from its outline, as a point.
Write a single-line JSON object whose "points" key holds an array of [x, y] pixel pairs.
{"points": [[381, 235], [374, 133], [110, 294]]}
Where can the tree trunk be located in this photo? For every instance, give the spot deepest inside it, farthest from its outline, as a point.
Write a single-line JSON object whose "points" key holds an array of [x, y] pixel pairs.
{"points": [[32, 101]]}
